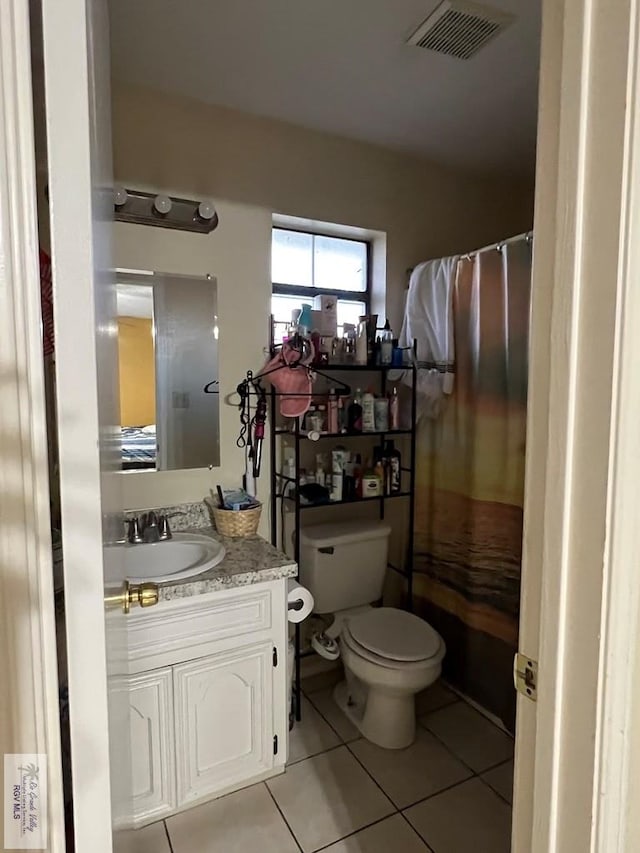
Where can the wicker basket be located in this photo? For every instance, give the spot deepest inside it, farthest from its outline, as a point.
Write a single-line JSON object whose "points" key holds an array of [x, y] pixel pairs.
{"points": [[237, 523]]}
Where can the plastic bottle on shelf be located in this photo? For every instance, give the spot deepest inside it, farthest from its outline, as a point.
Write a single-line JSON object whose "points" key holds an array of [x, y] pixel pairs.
{"points": [[368, 412], [394, 409], [320, 472], [354, 413], [386, 345], [362, 343], [394, 468], [304, 320], [379, 470], [381, 414], [333, 426]]}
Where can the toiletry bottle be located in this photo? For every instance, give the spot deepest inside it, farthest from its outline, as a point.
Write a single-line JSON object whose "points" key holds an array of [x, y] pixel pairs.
{"points": [[394, 410], [362, 343], [381, 413], [378, 469], [357, 474], [339, 457], [394, 465], [304, 321], [332, 412], [370, 484], [349, 482], [386, 345], [368, 412], [354, 414], [342, 415]]}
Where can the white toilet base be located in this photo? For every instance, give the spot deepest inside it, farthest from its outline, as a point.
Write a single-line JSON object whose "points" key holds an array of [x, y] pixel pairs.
{"points": [[386, 719]]}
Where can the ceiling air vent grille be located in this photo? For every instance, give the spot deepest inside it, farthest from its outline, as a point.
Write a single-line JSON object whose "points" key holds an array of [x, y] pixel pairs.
{"points": [[459, 29]]}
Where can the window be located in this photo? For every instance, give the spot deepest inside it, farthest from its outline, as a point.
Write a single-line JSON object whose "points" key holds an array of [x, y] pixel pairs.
{"points": [[305, 265]]}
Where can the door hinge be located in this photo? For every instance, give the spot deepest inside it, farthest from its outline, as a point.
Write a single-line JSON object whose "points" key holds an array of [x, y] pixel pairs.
{"points": [[525, 676], [275, 656], [275, 744]]}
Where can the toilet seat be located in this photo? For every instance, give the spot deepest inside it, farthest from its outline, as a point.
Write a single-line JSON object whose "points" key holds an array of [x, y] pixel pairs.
{"points": [[393, 638]]}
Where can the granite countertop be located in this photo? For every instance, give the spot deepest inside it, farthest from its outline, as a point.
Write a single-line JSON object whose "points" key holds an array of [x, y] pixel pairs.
{"points": [[247, 561]]}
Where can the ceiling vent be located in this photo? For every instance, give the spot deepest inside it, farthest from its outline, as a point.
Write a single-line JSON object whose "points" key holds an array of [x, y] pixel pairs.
{"points": [[460, 29]]}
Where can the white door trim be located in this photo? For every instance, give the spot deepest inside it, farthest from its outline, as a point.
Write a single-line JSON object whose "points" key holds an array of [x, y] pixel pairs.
{"points": [[29, 719], [583, 467], [617, 765]]}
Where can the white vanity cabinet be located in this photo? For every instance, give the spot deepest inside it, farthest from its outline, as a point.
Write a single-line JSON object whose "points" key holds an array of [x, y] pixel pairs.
{"points": [[207, 695]]}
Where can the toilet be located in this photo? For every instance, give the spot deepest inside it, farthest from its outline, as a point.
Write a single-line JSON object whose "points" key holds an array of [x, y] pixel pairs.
{"points": [[389, 655]]}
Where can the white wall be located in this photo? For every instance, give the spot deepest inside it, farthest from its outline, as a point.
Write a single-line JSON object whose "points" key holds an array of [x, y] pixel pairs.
{"points": [[238, 254], [166, 141], [252, 168]]}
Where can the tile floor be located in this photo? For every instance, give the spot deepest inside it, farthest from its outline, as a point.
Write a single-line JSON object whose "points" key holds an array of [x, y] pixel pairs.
{"points": [[450, 792]]}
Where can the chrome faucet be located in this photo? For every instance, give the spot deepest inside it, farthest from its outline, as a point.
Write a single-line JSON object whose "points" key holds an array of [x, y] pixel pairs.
{"points": [[149, 528], [150, 532]]}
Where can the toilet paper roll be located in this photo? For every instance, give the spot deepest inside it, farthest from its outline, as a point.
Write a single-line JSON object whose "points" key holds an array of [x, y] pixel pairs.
{"points": [[299, 601]]}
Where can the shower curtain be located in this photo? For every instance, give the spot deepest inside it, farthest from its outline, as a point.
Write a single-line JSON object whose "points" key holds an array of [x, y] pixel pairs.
{"points": [[470, 481]]}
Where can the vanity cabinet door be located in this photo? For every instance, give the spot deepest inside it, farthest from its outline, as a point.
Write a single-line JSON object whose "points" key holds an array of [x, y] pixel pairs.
{"points": [[224, 720], [152, 748]]}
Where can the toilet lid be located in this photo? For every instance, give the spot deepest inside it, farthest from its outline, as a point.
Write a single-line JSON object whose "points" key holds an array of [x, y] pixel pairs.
{"points": [[395, 634]]}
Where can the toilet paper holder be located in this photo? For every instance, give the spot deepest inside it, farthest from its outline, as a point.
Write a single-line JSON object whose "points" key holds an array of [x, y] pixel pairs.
{"points": [[295, 605]]}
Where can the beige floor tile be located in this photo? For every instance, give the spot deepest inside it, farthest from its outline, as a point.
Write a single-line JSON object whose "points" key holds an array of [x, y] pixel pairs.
{"points": [[244, 822], [411, 774], [469, 818], [392, 833], [327, 797], [322, 680], [323, 701], [151, 839], [434, 697], [470, 736], [311, 735], [501, 780]]}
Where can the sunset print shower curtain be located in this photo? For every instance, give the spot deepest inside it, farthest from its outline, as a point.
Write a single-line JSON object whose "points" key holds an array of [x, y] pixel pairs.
{"points": [[470, 481]]}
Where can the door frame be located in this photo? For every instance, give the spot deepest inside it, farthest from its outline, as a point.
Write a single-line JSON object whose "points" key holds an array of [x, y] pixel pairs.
{"points": [[29, 717], [579, 608], [582, 540]]}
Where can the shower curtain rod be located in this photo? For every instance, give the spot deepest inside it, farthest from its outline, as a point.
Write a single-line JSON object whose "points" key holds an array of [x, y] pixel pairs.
{"points": [[526, 235]]}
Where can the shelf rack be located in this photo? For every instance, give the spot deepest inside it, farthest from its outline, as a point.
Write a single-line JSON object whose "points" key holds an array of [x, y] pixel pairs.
{"points": [[281, 485]]}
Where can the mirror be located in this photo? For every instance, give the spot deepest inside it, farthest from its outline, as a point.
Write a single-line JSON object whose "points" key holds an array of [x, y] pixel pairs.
{"points": [[168, 353]]}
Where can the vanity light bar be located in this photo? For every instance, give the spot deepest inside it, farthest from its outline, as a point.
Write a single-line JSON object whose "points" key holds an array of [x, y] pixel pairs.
{"points": [[164, 211]]}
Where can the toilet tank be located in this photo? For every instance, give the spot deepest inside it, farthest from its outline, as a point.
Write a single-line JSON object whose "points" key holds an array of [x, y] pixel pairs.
{"points": [[344, 564]]}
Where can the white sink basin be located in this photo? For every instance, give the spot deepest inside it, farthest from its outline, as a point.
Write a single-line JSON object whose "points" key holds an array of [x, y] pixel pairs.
{"points": [[183, 556]]}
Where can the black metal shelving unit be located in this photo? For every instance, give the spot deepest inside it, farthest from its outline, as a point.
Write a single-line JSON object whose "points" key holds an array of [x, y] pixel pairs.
{"points": [[281, 484]]}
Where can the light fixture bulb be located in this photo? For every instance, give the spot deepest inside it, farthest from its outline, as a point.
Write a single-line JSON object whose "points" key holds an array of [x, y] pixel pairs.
{"points": [[162, 204], [120, 196], [206, 210]]}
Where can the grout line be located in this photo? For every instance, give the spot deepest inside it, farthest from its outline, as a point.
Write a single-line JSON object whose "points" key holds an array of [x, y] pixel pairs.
{"points": [[449, 749], [496, 792], [437, 793], [355, 831], [166, 829], [495, 766], [313, 755], [298, 845], [501, 728], [372, 777], [328, 722], [424, 841]]}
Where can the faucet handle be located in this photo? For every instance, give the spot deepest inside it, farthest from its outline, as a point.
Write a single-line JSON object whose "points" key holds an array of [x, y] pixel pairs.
{"points": [[133, 531], [164, 528]]}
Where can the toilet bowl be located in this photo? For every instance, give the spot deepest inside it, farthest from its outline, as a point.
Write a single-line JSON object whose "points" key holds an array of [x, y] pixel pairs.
{"points": [[389, 655]]}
